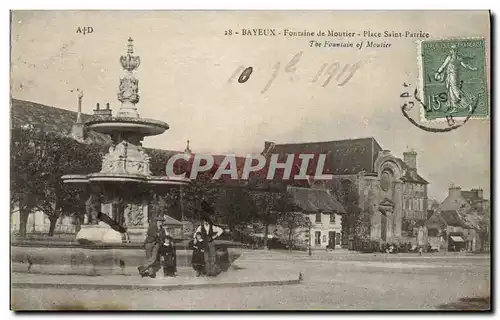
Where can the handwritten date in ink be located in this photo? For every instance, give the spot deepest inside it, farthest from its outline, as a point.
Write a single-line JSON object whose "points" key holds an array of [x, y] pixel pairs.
{"points": [[339, 73]]}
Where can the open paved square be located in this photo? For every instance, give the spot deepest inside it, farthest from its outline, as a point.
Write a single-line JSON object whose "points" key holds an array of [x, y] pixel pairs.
{"points": [[331, 281]]}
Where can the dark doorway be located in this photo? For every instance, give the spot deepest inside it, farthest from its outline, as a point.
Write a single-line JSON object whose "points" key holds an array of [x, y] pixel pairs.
{"points": [[317, 238], [331, 239]]}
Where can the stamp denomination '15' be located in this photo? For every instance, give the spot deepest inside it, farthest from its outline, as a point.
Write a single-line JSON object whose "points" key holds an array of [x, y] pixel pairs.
{"points": [[454, 78]]}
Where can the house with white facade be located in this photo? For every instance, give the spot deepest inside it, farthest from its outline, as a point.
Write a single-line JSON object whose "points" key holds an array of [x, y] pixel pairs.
{"points": [[325, 214]]}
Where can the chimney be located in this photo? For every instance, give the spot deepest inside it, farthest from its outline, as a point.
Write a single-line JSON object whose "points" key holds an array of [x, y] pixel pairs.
{"points": [[410, 158], [454, 192], [103, 113], [479, 192]]}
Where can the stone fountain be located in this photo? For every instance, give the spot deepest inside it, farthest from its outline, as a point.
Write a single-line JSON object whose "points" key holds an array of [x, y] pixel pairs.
{"points": [[112, 237], [121, 188]]}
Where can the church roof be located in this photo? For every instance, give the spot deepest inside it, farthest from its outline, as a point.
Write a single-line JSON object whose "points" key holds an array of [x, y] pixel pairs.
{"points": [[313, 200], [49, 119], [349, 156]]}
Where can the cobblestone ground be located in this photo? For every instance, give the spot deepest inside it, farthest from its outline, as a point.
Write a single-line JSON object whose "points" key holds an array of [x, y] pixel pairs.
{"points": [[331, 281]]}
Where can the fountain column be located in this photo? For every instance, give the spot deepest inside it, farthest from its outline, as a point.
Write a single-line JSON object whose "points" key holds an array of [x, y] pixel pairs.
{"points": [[128, 93]]}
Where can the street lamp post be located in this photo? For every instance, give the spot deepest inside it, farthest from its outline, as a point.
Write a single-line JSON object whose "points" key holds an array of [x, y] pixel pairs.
{"points": [[188, 154], [310, 253]]}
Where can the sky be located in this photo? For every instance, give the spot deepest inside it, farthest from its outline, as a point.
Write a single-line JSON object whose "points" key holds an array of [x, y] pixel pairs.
{"points": [[186, 79]]}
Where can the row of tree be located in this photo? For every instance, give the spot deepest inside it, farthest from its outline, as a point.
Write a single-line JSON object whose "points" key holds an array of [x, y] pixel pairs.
{"points": [[38, 160]]}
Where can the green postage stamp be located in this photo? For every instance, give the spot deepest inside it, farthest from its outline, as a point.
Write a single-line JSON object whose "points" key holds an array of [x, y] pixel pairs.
{"points": [[454, 78]]}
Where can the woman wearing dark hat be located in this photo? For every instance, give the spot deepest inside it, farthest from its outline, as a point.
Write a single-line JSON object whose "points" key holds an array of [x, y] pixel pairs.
{"points": [[209, 232], [155, 238]]}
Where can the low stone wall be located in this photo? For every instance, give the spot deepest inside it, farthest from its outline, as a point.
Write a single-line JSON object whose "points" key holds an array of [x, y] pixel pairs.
{"points": [[101, 260]]}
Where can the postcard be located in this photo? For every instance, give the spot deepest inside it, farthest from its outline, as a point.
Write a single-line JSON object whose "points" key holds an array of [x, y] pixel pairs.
{"points": [[250, 160]]}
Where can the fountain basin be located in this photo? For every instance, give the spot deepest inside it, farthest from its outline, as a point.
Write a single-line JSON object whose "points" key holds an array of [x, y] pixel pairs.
{"points": [[110, 125], [72, 258]]}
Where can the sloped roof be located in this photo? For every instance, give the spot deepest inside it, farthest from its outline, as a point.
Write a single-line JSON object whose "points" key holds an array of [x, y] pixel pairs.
{"points": [[410, 174], [50, 119], [452, 218], [435, 218], [471, 220], [349, 156], [171, 221], [453, 203], [315, 200]]}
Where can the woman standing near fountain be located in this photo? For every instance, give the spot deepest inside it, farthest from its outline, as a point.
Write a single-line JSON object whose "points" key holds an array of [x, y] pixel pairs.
{"points": [[209, 232]]}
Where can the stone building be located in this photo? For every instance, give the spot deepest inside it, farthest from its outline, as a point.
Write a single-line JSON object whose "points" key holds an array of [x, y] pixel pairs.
{"points": [[389, 189], [447, 231], [470, 211], [38, 223], [324, 212]]}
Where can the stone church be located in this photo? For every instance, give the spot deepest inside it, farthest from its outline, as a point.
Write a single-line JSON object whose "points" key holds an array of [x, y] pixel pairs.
{"points": [[388, 188]]}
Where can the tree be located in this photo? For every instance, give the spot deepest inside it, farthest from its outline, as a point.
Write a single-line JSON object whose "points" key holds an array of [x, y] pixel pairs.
{"points": [[347, 194], [291, 221], [236, 208], [288, 217], [64, 156], [485, 230], [38, 161], [25, 169], [268, 209]]}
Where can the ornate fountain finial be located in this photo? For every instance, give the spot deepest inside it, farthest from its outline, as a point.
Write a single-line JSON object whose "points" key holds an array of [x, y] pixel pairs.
{"points": [[128, 91], [130, 62], [187, 150], [130, 46]]}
